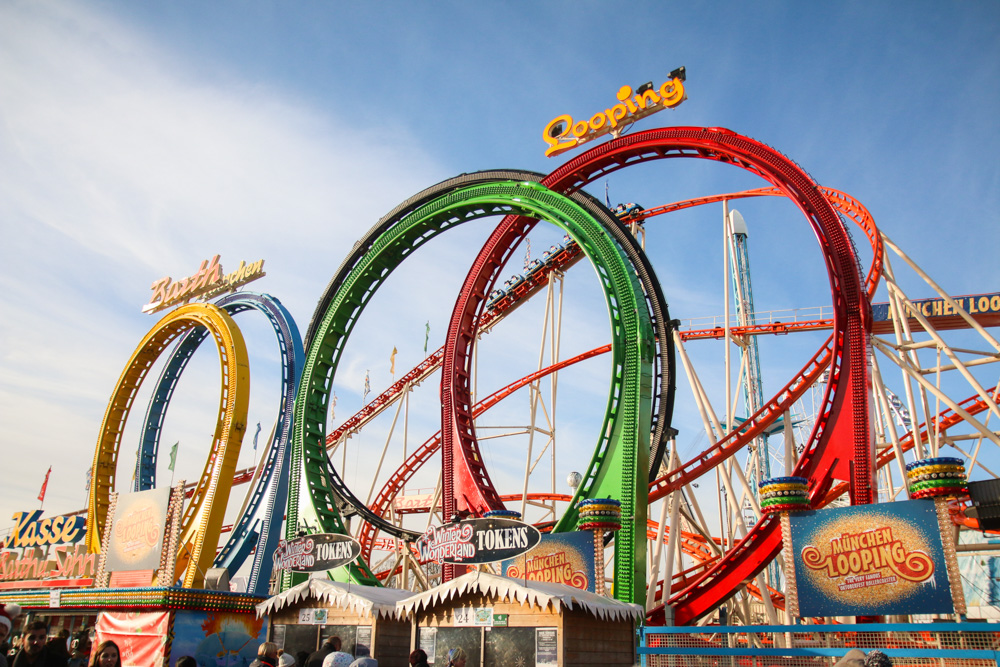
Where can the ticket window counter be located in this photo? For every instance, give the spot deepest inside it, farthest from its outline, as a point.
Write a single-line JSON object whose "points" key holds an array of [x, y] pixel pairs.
{"points": [[304, 616], [294, 637], [491, 645], [499, 621]]}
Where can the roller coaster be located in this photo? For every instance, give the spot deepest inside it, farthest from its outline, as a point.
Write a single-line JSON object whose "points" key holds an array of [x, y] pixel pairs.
{"points": [[848, 450]]}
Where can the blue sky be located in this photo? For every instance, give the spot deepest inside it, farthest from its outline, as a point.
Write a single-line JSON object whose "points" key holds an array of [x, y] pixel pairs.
{"points": [[137, 139]]}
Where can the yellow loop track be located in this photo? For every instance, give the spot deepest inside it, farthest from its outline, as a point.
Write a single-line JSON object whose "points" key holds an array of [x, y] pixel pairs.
{"points": [[203, 518]]}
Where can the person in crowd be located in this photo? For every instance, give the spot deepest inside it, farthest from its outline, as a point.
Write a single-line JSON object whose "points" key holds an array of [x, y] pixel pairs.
{"points": [[316, 658], [853, 658], [286, 660], [57, 647], [33, 651], [80, 651], [300, 658], [106, 655], [186, 661], [267, 654], [418, 658], [876, 658], [338, 659], [364, 659], [8, 612], [457, 657]]}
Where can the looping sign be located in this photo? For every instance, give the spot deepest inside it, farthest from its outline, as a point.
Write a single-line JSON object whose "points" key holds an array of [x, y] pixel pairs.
{"points": [[870, 559], [477, 541], [316, 553], [563, 133]]}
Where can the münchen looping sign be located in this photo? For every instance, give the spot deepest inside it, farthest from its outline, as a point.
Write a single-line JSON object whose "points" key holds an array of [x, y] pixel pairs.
{"points": [[316, 553], [477, 541]]}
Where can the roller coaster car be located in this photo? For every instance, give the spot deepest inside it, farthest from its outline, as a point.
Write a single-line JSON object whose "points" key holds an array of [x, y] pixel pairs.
{"points": [[512, 282], [625, 210], [569, 251], [533, 266], [553, 250], [494, 296]]}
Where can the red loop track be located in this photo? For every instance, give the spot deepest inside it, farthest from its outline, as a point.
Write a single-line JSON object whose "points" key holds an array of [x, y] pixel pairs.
{"points": [[840, 445]]}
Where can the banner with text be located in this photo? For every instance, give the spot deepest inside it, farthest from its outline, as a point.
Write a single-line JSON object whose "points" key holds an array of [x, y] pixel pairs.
{"points": [[870, 560], [137, 531], [141, 636], [562, 558]]}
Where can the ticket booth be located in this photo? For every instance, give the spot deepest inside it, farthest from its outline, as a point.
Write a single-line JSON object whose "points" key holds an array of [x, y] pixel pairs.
{"points": [[500, 621], [304, 616]]}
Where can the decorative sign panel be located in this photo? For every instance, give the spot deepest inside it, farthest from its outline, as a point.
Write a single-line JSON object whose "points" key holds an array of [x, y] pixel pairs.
{"points": [[477, 541], [870, 560], [562, 558], [316, 553]]}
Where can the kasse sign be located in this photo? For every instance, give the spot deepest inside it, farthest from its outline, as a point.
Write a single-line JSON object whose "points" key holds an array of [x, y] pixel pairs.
{"points": [[316, 553], [477, 541]]}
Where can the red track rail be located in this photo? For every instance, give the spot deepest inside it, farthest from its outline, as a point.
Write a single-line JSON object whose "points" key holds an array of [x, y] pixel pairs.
{"points": [[405, 472], [831, 451], [944, 421], [503, 307]]}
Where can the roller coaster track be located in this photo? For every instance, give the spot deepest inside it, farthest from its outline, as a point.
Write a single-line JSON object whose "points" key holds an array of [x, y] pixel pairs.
{"points": [[620, 465], [534, 281], [844, 444], [528, 288], [202, 519], [389, 243], [793, 390], [395, 484], [309, 453], [257, 531]]}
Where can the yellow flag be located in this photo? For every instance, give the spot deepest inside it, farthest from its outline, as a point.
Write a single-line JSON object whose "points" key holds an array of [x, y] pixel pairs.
{"points": [[392, 361]]}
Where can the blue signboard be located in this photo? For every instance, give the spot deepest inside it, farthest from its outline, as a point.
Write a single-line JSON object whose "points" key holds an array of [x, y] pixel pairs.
{"points": [[870, 560], [938, 307]]}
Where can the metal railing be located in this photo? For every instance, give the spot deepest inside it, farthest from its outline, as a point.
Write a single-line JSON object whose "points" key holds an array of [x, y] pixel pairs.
{"points": [[906, 644], [809, 314]]}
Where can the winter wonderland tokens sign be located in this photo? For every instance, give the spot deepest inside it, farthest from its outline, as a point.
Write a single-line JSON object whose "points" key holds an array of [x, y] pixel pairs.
{"points": [[316, 553], [870, 559], [477, 541]]}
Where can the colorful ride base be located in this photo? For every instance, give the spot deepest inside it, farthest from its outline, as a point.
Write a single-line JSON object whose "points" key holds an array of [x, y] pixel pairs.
{"points": [[137, 599]]}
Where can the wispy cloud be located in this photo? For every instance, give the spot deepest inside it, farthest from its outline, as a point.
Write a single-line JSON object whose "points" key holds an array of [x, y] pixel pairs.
{"points": [[121, 165]]}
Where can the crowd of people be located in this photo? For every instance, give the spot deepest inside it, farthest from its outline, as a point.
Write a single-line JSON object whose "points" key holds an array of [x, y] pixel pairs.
{"points": [[328, 655], [331, 655], [34, 648]]}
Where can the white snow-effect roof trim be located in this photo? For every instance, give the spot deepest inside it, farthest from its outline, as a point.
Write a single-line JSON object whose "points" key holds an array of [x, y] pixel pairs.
{"points": [[536, 593], [368, 600]]}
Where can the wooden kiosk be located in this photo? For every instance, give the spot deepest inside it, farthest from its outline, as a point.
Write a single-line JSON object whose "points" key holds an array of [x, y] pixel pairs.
{"points": [[501, 621], [304, 616]]}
